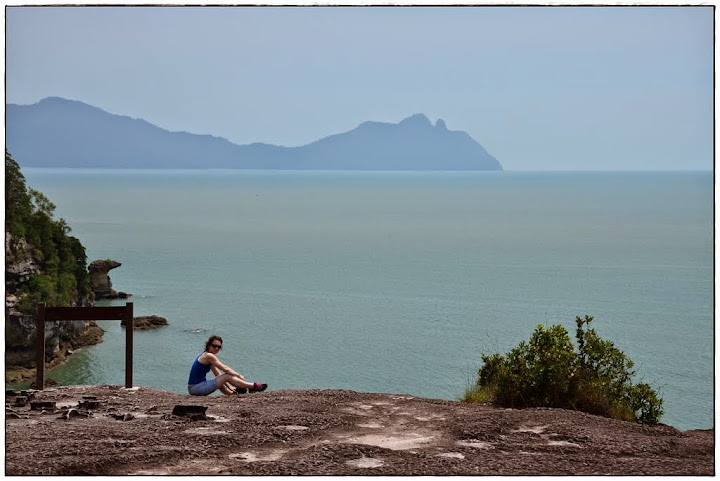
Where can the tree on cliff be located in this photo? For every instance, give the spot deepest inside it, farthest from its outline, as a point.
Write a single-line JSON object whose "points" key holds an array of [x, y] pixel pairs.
{"points": [[63, 278]]}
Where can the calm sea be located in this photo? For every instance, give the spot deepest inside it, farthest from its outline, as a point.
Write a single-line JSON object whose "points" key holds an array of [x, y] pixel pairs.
{"points": [[396, 282]]}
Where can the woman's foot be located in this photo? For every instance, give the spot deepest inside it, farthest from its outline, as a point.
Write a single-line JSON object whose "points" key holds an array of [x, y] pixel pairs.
{"points": [[257, 387], [241, 390]]}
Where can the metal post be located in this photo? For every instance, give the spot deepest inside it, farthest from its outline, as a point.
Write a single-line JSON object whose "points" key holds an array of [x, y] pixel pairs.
{"points": [[128, 344], [40, 347]]}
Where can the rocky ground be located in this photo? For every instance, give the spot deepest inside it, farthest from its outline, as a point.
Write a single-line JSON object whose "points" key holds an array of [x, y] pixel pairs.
{"points": [[110, 430]]}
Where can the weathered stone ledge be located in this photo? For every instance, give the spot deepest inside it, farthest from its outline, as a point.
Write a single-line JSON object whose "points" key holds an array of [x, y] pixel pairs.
{"points": [[138, 431]]}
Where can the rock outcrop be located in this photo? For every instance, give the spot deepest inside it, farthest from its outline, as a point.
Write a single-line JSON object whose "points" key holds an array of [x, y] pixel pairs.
{"points": [[100, 280], [147, 322]]}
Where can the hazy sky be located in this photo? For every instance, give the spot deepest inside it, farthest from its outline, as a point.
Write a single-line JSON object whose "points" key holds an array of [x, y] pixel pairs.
{"points": [[541, 88]]}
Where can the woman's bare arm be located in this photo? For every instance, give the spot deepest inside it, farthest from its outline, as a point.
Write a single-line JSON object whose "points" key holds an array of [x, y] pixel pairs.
{"points": [[215, 363]]}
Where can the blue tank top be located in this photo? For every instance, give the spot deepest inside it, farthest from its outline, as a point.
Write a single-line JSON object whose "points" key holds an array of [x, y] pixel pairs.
{"points": [[198, 372]]}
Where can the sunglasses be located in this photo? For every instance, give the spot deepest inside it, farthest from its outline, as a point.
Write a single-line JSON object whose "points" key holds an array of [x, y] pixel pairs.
{"points": [[216, 346]]}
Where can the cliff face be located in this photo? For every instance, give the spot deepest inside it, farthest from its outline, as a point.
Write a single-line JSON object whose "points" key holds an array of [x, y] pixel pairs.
{"points": [[61, 338], [20, 263]]}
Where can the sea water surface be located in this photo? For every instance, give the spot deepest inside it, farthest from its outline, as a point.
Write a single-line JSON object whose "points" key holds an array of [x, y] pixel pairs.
{"points": [[396, 281]]}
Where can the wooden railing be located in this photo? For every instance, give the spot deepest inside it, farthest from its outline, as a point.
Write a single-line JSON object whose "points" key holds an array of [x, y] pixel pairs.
{"points": [[83, 314]]}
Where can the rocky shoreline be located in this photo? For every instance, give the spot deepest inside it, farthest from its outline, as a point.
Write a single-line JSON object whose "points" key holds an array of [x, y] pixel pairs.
{"points": [[20, 366], [110, 430], [17, 374], [61, 338]]}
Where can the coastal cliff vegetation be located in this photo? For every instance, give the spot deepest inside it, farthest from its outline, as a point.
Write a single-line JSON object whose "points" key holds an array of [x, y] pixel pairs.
{"points": [[547, 371], [34, 236]]}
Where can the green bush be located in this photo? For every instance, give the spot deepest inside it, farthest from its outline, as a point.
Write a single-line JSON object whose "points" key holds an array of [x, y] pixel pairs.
{"points": [[546, 371]]}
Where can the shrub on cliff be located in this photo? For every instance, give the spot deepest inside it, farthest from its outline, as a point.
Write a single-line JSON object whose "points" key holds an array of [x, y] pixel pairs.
{"points": [[546, 371], [29, 215]]}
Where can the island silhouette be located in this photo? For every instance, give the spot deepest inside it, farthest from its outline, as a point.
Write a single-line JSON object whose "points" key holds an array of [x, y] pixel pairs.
{"points": [[57, 132]]}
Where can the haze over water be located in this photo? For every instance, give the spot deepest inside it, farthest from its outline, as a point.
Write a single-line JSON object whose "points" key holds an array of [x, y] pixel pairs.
{"points": [[396, 282]]}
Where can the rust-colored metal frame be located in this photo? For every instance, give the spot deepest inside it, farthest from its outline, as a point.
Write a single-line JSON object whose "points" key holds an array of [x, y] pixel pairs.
{"points": [[111, 313]]}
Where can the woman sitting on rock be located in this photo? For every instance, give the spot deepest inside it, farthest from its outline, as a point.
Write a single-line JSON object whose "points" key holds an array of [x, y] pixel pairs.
{"points": [[198, 385]]}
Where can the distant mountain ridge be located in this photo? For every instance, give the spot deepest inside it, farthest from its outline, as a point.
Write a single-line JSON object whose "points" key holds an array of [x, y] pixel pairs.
{"points": [[57, 132]]}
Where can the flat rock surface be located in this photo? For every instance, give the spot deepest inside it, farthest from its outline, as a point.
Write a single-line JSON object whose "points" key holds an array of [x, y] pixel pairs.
{"points": [[335, 432]]}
